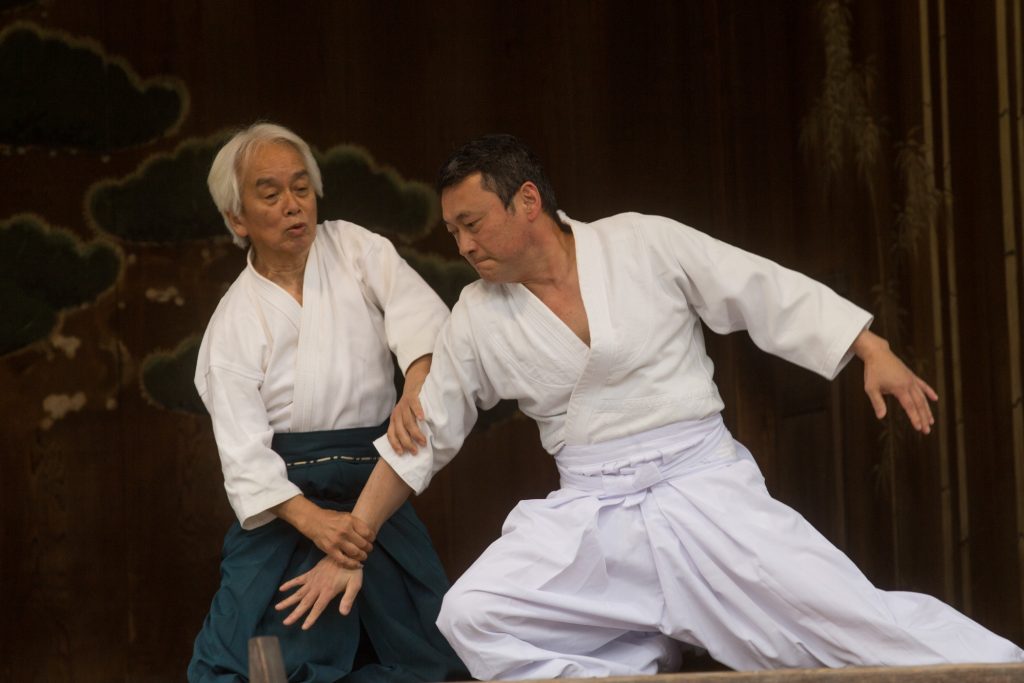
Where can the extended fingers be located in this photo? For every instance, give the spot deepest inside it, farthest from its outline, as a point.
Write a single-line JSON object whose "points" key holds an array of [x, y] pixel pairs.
{"points": [[915, 403], [299, 580], [315, 612], [887, 374], [349, 598], [877, 401], [289, 601], [305, 603], [928, 391], [921, 393]]}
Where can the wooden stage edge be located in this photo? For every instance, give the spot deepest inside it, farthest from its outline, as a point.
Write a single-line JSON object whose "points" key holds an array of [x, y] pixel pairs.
{"points": [[949, 673]]}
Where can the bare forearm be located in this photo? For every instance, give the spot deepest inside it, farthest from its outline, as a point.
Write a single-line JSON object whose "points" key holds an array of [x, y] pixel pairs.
{"points": [[416, 373], [383, 494], [300, 512]]}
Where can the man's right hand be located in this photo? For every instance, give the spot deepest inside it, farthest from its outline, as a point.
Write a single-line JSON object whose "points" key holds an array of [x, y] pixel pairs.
{"points": [[342, 537], [339, 535]]}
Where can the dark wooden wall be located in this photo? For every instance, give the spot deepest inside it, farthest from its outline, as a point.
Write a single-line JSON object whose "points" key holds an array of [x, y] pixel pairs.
{"points": [[111, 516]]}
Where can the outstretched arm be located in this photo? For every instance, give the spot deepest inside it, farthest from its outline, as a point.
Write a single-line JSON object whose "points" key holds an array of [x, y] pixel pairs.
{"points": [[884, 373], [383, 494], [343, 536]]}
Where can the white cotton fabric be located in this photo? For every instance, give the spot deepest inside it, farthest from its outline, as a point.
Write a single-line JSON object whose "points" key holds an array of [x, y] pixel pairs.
{"points": [[268, 364], [647, 283], [671, 536], [662, 532]]}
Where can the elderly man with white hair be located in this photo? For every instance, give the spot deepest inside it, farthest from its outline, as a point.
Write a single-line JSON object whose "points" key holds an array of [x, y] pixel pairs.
{"points": [[296, 371]]}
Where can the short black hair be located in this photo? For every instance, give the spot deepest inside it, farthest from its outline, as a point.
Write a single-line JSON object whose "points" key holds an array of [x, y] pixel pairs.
{"points": [[504, 163]]}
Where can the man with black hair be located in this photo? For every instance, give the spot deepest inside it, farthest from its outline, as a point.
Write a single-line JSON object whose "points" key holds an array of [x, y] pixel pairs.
{"points": [[662, 531]]}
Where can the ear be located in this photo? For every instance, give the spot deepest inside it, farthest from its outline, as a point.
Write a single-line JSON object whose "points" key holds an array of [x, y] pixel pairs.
{"points": [[529, 198], [237, 224]]}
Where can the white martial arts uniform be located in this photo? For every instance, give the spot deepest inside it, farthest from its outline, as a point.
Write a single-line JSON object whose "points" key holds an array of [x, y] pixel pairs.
{"points": [[268, 364], [662, 529]]}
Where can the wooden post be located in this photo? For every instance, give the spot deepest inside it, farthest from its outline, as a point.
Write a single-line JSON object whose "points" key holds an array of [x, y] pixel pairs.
{"points": [[265, 662]]}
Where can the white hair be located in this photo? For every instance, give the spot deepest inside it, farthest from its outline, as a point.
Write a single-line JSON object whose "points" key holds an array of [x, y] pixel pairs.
{"points": [[229, 164]]}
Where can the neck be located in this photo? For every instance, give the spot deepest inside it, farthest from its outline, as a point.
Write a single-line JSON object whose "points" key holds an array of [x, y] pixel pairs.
{"points": [[556, 262], [285, 271]]}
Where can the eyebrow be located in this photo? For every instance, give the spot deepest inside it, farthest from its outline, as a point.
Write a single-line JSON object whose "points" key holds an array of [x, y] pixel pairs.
{"points": [[273, 181], [462, 215]]}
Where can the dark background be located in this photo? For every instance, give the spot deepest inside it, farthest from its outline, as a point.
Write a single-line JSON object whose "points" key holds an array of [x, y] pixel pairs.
{"points": [[907, 199]]}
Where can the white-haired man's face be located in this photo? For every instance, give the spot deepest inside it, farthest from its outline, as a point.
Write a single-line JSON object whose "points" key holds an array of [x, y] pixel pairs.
{"points": [[278, 203]]}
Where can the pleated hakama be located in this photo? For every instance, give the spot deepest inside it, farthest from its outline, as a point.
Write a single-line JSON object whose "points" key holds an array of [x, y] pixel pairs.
{"points": [[670, 537], [390, 634]]}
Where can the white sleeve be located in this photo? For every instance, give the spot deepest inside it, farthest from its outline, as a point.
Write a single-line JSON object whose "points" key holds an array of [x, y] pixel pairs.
{"points": [[785, 312], [413, 312], [455, 387], [255, 477]]}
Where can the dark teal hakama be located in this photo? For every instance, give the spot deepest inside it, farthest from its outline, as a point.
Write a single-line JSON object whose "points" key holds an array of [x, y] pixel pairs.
{"points": [[389, 635]]}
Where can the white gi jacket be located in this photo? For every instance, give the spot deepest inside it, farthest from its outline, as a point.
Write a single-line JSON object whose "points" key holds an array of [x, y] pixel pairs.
{"points": [[267, 364], [647, 283]]}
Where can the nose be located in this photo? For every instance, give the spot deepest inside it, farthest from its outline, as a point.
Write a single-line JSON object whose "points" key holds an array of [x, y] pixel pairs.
{"points": [[291, 204], [465, 243]]}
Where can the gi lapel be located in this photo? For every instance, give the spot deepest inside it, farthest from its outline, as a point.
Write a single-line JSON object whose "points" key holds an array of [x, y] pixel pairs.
{"points": [[600, 360], [309, 353]]}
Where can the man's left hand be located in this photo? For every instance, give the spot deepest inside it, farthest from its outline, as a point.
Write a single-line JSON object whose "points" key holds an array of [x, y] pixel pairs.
{"points": [[884, 373], [316, 588], [404, 433]]}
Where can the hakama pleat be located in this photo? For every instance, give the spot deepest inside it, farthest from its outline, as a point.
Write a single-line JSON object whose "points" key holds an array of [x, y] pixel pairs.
{"points": [[389, 635], [688, 547]]}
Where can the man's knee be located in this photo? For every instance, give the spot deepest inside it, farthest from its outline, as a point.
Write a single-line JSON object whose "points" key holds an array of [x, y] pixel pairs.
{"points": [[466, 613]]}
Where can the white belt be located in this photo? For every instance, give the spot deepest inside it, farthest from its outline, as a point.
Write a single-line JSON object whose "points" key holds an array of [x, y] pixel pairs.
{"points": [[646, 458]]}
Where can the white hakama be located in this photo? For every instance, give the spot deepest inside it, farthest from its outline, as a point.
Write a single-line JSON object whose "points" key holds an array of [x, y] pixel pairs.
{"points": [[671, 536], [663, 530]]}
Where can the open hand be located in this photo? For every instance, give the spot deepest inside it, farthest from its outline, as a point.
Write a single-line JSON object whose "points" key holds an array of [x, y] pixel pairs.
{"points": [[315, 589], [884, 373]]}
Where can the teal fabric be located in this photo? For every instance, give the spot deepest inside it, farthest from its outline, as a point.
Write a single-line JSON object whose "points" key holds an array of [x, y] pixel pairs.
{"points": [[390, 634]]}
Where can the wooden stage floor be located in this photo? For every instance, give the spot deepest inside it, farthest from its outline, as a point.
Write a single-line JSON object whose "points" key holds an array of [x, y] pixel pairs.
{"points": [[952, 673]]}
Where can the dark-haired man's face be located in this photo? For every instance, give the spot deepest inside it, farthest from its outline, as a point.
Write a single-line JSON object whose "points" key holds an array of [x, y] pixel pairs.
{"points": [[489, 236]]}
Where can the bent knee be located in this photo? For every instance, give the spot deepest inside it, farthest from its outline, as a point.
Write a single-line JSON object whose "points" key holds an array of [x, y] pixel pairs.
{"points": [[468, 614]]}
